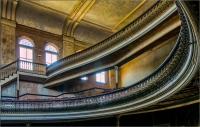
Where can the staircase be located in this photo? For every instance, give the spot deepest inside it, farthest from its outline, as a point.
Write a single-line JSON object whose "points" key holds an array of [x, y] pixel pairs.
{"points": [[8, 73]]}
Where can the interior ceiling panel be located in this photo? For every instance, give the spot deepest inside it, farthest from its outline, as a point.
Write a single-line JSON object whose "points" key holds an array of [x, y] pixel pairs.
{"points": [[64, 6], [43, 19], [109, 13]]}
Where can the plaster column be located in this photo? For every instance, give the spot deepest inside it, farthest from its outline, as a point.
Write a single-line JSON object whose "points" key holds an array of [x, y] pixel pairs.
{"points": [[7, 41], [118, 120], [116, 75], [68, 45]]}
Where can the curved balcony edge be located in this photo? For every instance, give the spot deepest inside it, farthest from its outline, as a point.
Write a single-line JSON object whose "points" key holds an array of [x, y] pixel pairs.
{"points": [[122, 38]]}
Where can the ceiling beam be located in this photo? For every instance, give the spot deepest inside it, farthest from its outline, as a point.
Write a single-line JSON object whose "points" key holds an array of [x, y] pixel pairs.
{"points": [[75, 17]]}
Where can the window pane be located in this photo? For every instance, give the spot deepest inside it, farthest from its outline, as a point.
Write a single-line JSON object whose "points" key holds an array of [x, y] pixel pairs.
{"points": [[100, 77], [22, 52], [30, 54], [54, 58], [84, 78], [48, 58]]}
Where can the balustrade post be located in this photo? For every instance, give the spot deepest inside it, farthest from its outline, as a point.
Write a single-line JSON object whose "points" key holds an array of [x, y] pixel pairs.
{"points": [[116, 76], [18, 64], [17, 86]]}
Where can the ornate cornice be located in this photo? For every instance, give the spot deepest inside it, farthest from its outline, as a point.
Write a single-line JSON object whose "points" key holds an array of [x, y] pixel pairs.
{"points": [[9, 9]]}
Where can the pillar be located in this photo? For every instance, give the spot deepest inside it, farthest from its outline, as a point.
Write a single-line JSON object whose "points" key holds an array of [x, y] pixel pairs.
{"points": [[68, 45], [118, 120], [116, 75], [7, 41]]}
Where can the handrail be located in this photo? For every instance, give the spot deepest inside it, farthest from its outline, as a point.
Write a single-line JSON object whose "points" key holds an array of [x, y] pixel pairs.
{"points": [[94, 88], [31, 67], [8, 65], [8, 70], [32, 62]]}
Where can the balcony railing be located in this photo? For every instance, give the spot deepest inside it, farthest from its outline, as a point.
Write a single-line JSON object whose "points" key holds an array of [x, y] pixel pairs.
{"points": [[67, 95], [22, 66], [31, 67]]}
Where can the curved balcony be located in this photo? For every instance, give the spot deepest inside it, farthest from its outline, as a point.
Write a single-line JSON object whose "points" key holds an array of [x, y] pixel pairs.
{"points": [[105, 49], [171, 76]]}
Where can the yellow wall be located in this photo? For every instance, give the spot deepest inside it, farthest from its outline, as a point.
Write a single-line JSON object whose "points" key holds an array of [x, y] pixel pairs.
{"points": [[145, 64]]}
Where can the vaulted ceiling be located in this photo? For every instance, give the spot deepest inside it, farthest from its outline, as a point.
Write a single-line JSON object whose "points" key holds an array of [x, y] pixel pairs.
{"points": [[82, 19]]}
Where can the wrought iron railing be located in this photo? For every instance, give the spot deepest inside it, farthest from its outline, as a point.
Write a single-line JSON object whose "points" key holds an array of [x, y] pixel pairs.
{"points": [[67, 95]]}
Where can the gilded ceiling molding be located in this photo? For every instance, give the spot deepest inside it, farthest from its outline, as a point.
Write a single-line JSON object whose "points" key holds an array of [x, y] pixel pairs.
{"points": [[139, 5], [75, 17], [9, 9]]}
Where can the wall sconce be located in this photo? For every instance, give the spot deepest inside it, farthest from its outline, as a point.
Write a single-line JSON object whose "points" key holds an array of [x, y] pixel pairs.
{"points": [[39, 56]]}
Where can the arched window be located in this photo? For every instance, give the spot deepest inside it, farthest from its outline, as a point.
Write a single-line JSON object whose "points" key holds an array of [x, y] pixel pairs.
{"points": [[51, 54], [26, 53]]}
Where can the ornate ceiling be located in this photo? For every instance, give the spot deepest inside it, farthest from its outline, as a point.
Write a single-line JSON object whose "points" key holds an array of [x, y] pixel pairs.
{"points": [[73, 17]]}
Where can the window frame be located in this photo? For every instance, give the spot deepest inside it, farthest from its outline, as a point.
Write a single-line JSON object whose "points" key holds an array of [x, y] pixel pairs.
{"points": [[105, 78], [26, 47], [50, 52]]}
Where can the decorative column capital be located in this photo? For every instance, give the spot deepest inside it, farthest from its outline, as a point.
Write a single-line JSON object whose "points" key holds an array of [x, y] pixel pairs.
{"points": [[116, 67]]}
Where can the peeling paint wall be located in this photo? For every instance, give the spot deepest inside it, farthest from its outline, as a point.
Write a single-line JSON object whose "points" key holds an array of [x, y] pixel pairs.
{"points": [[35, 88], [9, 90], [7, 44], [145, 64]]}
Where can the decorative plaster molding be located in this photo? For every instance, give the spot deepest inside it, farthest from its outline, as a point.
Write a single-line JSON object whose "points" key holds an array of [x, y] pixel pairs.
{"points": [[75, 17], [8, 22], [9, 9]]}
